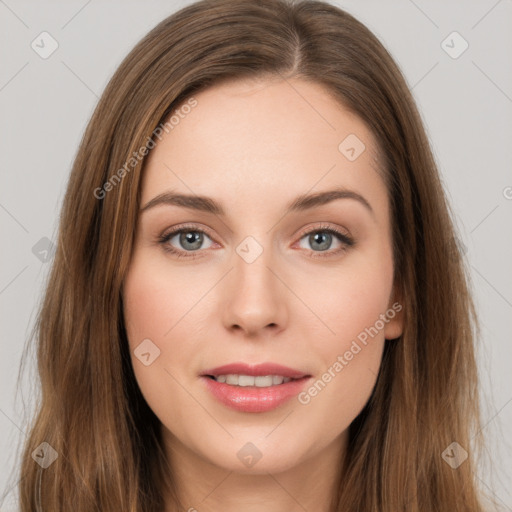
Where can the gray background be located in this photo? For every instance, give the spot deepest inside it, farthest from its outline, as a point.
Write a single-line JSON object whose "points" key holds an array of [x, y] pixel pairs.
{"points": [[466, 104]]}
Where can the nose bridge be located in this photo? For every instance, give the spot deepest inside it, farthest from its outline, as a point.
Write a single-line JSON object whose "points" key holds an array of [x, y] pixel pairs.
{"points": [[256, 300], [254, 277]]}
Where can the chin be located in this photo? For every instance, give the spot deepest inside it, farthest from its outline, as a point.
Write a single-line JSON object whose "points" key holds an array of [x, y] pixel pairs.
{"points": [[256, 455]]}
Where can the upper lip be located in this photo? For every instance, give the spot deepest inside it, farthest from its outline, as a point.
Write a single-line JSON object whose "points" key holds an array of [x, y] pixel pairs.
{"points": [[255, 370]]}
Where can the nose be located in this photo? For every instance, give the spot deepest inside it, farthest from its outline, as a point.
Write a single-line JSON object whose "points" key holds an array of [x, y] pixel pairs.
{"points": [[255, 299]]}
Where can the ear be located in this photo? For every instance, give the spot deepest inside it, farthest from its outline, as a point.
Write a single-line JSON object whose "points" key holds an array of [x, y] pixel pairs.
{"points": [[395, 313]]}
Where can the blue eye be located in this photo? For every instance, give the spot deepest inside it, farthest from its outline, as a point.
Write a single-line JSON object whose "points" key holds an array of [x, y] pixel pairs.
{"points": [[320, 241], [187, 242]]}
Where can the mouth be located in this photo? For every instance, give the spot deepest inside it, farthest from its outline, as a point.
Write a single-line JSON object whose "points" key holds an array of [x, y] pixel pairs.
{"points": [[257, 388]]}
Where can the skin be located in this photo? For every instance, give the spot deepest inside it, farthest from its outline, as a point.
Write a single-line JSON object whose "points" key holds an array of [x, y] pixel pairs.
{"points": [[254, 146]]}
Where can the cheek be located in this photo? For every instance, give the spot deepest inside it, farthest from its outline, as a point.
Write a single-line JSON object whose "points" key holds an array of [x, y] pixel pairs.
{"points": [[350, 299], [154, 305], [147, 305], [350, 304], [158, 305], [156, 298]]}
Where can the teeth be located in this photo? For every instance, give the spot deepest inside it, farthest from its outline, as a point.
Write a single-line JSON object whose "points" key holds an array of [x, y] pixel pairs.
{"points": [[232, 379], [249, 380]]}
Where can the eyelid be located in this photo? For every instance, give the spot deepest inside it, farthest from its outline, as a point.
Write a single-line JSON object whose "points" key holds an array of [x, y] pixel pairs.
{"points": [[186, 226], [323, 227]]}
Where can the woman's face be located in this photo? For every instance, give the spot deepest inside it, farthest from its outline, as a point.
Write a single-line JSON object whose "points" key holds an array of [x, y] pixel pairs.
{"points": [[256, 279]]}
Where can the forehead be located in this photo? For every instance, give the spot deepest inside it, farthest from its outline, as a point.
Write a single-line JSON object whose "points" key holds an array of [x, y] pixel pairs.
{"points": [[253, 137]]}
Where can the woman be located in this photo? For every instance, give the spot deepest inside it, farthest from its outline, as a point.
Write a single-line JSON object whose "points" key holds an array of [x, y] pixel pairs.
{"points": [[257, 301]]}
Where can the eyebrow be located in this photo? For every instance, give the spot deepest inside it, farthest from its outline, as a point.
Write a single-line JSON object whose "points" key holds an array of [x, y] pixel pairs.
{"points": [[301, 203]]}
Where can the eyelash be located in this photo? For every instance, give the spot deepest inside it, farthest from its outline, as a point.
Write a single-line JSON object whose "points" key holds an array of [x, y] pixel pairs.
{"points": [[346, 240]]}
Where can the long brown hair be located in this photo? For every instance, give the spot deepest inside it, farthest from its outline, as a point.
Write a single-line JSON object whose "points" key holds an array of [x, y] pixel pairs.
{"points": [[91, 412]]}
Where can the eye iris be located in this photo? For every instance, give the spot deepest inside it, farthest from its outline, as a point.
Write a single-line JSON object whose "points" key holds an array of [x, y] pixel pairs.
{"points": [[320, 237], [193, 237]]}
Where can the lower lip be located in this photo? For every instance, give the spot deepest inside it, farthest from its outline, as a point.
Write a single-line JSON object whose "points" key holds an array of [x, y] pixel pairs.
{"points": [[252, 398]]}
